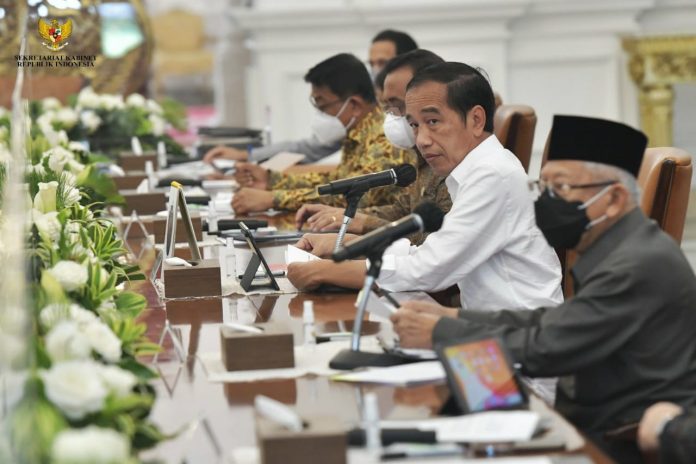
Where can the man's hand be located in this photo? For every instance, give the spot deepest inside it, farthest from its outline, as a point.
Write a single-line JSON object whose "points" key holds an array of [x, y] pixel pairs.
{"points": [[321, 245], [652, 423], [225, 152], [430, 308], [307, 276], [251, 175], [415, 330], [248, 200], [323, 218]]}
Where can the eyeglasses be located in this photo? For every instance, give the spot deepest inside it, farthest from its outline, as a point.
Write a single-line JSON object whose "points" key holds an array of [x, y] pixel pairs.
{"points": [[323, 106], [557, 188]]}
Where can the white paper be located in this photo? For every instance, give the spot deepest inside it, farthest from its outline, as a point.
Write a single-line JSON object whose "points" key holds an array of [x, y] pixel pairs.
{"points": [[230, 184], [224, 164], [430, 371], [490, 427], [297, 255], [143, 186], [282, 161]]}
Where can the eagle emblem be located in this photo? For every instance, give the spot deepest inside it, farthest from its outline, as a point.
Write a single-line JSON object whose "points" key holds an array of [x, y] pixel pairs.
{"points": [[54, 33]]}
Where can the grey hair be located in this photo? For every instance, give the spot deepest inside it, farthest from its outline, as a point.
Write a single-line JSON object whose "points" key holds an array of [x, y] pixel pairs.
{"points": [[602, 172]]}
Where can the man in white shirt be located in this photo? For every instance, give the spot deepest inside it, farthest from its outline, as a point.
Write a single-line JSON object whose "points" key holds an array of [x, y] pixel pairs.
{"points": [[489, 244]]}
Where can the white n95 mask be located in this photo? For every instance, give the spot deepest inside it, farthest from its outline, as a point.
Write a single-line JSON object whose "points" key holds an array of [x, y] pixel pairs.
{"points": [[399, 132], [329, 129]]}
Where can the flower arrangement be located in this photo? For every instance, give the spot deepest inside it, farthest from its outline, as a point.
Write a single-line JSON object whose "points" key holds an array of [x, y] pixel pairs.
{"points": [[86, 398], [109, 121]]}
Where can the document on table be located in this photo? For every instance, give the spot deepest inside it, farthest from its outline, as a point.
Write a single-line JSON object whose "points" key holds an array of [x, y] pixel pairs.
{"points": [[282, 161], [406, 374], [296, 255], [482, 427]]}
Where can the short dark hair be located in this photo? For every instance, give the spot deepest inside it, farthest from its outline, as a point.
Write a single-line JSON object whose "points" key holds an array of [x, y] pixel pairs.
{"points": [[401, 40], [415, 60], [345, 75], [466, 88]]}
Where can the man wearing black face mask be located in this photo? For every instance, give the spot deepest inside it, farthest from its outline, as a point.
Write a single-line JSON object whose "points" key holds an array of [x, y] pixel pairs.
{"points": [[625, 340]]}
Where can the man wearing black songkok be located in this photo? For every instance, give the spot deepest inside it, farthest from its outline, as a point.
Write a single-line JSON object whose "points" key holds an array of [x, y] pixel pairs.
{"points": [[626, 339]]}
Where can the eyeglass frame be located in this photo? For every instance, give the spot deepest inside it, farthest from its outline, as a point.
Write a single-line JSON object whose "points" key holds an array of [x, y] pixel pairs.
{"points": [[323, 106], [541, 186]]}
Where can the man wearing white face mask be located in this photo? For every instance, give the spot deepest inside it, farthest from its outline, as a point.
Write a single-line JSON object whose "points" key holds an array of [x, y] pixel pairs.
{"points": [[347, 112], [428, 186]]}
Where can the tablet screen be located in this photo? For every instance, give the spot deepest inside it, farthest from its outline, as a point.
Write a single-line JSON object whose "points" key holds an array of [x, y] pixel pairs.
{"points": [[482, 375]]}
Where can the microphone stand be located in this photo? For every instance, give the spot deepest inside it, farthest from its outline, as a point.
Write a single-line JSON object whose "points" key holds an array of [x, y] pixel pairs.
{"points": [[352, 197], [352, 358]]}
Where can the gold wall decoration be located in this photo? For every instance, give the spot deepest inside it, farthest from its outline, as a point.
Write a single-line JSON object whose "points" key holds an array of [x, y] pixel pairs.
{"points": [[122, 74], [655, 65]]}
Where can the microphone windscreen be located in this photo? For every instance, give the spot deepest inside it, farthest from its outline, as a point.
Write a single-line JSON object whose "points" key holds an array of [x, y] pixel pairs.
{"points": [[405, 174], [431, 215]]}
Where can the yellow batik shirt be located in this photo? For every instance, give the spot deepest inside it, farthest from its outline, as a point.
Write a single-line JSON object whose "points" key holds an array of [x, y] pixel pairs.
{"points": [[365, 150], [427, 187]]}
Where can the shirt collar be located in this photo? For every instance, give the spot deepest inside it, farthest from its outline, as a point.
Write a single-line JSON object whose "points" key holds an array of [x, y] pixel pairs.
{"points": [[605, 244], [357, 134], [459, 173]]}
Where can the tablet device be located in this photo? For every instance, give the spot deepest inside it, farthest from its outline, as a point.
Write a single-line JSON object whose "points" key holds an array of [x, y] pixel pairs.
{"points": [[257, 258], [481, 376]]}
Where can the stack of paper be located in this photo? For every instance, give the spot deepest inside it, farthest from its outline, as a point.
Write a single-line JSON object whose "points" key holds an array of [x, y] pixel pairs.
{"points": [[296, 255], [407, 374]]}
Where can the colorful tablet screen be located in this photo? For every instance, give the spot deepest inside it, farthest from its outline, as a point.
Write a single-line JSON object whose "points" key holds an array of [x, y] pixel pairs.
{"points": [[483, 375]]}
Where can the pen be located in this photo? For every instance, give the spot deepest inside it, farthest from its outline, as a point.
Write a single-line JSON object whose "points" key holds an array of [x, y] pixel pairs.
{"points": [[416, 451]]}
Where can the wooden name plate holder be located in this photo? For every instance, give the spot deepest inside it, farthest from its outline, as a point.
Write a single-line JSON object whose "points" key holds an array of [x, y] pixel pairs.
{"points": [[323, 439], [201, 279], [143, 203], [130, 181], [244, 351], [131, 162], [159, 227]]}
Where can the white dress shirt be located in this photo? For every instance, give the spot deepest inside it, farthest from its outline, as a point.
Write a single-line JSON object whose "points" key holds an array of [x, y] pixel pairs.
{"points": [[489, 244]]}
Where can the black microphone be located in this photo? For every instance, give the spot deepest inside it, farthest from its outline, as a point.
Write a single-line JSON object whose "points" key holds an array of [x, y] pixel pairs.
{"points": [[401, 175], [426, 217]]}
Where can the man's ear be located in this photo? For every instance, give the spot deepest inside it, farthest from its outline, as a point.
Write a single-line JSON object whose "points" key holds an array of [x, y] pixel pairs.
{"points": [[476, 119], [619, 199]]}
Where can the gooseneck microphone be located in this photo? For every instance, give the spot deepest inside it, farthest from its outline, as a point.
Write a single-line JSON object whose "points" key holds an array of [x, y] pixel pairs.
{"points": [[402, 175], [426, 217]]}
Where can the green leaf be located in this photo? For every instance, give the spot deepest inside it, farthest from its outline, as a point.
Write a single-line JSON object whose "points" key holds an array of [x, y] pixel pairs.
{"points": [[131, 304], [141, 371]]}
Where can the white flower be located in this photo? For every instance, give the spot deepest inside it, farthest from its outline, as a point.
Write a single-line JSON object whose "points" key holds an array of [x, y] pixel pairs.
{"points": [[47, 224], [45, 199], [75, 387], [38, 168], [104, 341], [58, 157], [91, 445], [52, 314], [72, 196], [45, 121], [111, 102], [56, 138], [67, 117], [77, 147], [158, 124], [66, 341], [154, 107], [107, 309], [69, 274], [50, 103], [120, 382], [76, 166], [136, 100], [90, 120], [87, 98]]}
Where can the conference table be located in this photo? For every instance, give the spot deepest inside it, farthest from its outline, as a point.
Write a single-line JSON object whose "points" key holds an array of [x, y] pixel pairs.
{"points": [[215, 422]]}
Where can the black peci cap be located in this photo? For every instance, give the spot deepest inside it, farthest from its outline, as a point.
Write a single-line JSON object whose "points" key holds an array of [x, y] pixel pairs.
{"points": [[597, 140]]}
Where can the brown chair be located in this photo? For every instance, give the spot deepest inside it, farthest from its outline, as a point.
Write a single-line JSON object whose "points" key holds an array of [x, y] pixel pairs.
{"points": [[665, 181], [514, 126]]}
